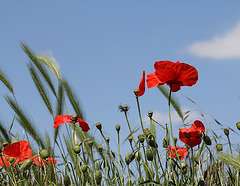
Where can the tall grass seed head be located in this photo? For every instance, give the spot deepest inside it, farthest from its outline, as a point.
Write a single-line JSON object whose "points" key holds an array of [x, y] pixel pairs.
{"points": [[76, 149], [117, 127], [226, 132], [149, 154], [43, 153], [238, 125], [207, 139], [98, 177], [99, 126]]}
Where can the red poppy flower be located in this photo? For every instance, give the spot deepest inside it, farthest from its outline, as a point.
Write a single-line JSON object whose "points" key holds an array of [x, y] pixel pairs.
{"points": [[182, 152], [4, 161], [41, 162], [141, 87], [192, 136], [173, 74], [62, 119], [20, 150]]}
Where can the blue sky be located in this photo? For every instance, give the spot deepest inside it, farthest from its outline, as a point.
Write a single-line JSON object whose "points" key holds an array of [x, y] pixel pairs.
{"points": [[102, 48]]}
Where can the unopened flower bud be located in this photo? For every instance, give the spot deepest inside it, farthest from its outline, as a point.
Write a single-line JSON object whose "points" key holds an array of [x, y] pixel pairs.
{"points": [[207, 139], [99, 126], [226, 132], [98, 177], [238, 125], [76, 149], [175, 140], [219, 147], [149, 154], [66, 180], [152, 143], [43, 153], [117, 127], [136, 91], [129, 158], [84, 168], [165, 142], [150, 114], [141, 138]]}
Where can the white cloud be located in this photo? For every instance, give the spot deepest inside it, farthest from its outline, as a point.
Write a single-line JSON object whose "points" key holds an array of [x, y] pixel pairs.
{"points": [[163, 118], [219, 47]]}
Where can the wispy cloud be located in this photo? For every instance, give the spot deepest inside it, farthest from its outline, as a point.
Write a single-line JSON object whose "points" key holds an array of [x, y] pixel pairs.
{"points": [[226, 46]]}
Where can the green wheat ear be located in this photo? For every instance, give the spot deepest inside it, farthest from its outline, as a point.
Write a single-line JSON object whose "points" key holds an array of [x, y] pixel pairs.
{"points": [[6, 82], [229, 159], [173, 101]]}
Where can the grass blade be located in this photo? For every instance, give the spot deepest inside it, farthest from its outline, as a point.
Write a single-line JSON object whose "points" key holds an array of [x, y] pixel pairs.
{"points": [[5, 134], [40, 88]]}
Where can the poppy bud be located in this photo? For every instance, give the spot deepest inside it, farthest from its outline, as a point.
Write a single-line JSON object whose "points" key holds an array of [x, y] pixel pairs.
{"points": [[43, 154], [4, 144], [84, 168], [152, 143], [99, 126], [141, 138], [219, 147], [98, 177], [238, 125], [149, 155], [207, 139], [130, 138], [26, 164], [150, 114], [226, 132], [129, 158], [117, 127], [107, 139], [11, 159], [76, 149], [136, 91], [165, 142], [125, 108], [175, 140], [100, 148], [137, 156], [184, 167], [66, 180]]}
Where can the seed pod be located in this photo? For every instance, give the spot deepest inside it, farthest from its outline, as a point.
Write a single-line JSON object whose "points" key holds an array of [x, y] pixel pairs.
{"points": [[26, 164], [100, 148], [43, 153], [76, 149], [117, 127], [175, 140], [98, 177], [226, 132], [84, 168], [99, 126], [136, 91], [11, 159], [165, 142], [107, 139], [150, 114], [137, 156], [149, 154], [238, 125], [207, 139], [184, 167], [90, 143], [219, 147], [4, 144], [125, 108], [66, 180], [130, 138]]}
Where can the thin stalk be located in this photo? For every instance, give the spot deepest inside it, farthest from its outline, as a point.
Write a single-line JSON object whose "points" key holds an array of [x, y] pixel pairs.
{"points": [[119, 158]]}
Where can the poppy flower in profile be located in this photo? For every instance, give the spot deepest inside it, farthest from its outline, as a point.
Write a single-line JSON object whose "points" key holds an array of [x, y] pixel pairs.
{"points": [[182, 152], [62, 119], [44, 162], [192, 136], [173, 74], [141, 87]]}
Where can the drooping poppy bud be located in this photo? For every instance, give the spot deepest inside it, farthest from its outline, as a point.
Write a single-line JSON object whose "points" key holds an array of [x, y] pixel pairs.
{"points": [[43, 154], [98, 177], [141, 138], [238, 125], [226, 132], [66, 180], [99, 126], [207, 139], [76, 149], [149, 154], [117, 127], [219, 147]]}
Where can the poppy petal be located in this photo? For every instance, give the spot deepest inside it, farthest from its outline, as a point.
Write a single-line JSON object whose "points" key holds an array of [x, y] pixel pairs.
{"points": [[85, 127], [198, 125], [141, 87], [182, 152], [40, 162], [153, 81], [4, 161], [62, 119]]}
